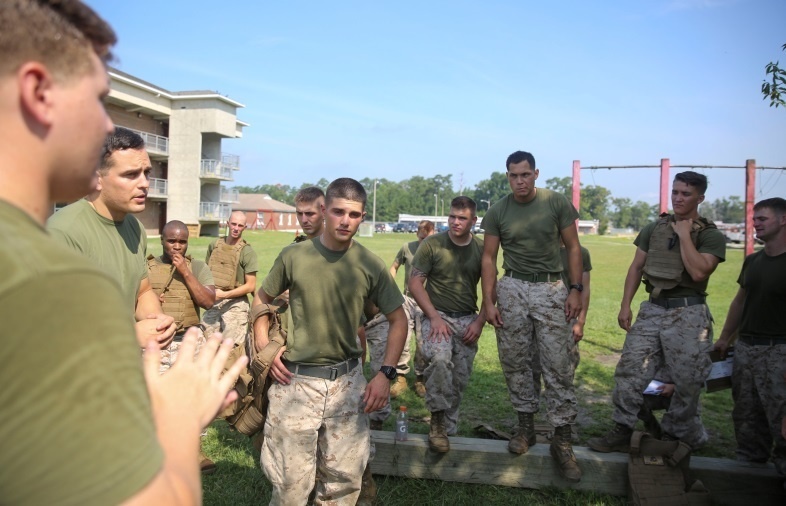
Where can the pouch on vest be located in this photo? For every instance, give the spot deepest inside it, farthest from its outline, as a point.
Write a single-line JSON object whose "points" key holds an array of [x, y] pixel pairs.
{"points": [[659, 474], [663, 268], [247, 414], [223, 263]]}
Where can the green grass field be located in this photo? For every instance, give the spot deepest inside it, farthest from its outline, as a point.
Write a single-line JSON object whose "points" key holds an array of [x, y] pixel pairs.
{"points": [[239, 480]]}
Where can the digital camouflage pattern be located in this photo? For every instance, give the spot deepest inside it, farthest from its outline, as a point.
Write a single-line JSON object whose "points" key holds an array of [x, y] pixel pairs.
{"points": [[169, 354], [377, 341], [536, 309], [414, 314], [296, 450], [449, 366], [678, 339], [759, 392], [230, 317]]}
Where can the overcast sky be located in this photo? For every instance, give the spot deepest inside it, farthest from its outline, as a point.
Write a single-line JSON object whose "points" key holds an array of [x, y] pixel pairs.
{"points": [[397, 89]]}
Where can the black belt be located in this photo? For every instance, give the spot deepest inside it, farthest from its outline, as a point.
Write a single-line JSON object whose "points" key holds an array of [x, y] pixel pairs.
{"points": [[535, 277], [328, 372], [678, 302], [457, 314], [762, 341]]}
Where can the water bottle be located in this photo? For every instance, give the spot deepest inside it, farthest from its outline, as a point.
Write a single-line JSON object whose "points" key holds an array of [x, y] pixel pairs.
{"points": [[402, 427]]}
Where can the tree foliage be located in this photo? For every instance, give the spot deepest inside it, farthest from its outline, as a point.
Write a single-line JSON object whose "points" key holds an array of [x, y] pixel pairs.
{"points": [[774, 87], [727, 210]]}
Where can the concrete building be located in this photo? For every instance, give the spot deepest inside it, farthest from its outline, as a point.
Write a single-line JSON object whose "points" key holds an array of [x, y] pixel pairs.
{"points": [[183, 131], [266, 213]]}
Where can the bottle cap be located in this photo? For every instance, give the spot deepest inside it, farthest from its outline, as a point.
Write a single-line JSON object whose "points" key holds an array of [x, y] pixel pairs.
{"points": [[402, 408]]}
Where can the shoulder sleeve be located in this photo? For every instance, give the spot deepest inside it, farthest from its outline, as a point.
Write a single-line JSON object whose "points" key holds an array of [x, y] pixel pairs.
{"points": [[490, 223], [424, 256], [87, 384], [276, 280], [712, 240], [209, 251], [567, 214], [61, 236], [202, 272], [745, 264], [586, 260], [400, 257], [248, 259], [143, 244], [643, 239]]}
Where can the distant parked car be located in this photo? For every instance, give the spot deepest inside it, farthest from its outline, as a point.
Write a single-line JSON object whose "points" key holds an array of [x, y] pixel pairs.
{"points": [[400, 227], [412, 228], [382, 228], [476, 229], [442, 228]]}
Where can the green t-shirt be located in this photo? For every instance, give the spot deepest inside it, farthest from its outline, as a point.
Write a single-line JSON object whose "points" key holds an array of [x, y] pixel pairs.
{"points": [[453, 272], [586, 263], [199, 269], [77, 425], [326, 294], [118, 247], [709, 240], [248, 262], [529, 233], [404, 257], [764, 280]]}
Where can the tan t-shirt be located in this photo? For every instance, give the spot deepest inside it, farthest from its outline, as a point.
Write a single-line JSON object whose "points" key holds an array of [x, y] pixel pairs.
{"points": [[120, 248], [78, 427]]}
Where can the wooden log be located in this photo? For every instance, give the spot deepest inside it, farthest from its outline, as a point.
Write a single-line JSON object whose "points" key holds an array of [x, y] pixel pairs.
{"points": [[488, 462]]}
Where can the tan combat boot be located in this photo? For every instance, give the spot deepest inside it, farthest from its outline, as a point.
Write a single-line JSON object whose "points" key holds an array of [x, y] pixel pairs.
{"points": [[438, 435], [524, 437], [615, 440], [420, 387], [562, 452], [398, 387], [368, 489]]}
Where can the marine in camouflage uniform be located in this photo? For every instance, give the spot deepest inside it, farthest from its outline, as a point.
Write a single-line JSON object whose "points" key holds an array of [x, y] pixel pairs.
{"points": [[234, 266], [317, 425], [414, 314], [675, 255], [531, 300], [757, 315], [448, 264]]}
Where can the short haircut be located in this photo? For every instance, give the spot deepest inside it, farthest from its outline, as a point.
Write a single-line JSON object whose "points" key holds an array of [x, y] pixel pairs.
{"points": [[58, 33], [346, 188], [462, 202], [694, 179], [308, 195], [425, 227], [174, 225], [776, 204], [518, 157], [119, 140]]}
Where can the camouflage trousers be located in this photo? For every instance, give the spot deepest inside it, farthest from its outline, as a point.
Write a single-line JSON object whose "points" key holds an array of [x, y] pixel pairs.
{"points": [[678, 339], [169, 354], [759, 394], [537, 374], [377, 341], [448, 368], [316, 429], [414, 315], [528, 310], [230, 317]]}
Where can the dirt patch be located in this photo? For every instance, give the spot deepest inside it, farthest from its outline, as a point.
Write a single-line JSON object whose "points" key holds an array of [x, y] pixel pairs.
{"points": [[609, 360]]}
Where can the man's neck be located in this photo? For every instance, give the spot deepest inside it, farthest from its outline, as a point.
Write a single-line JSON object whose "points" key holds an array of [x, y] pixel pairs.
{"points": [[30, 192], [688, 216], [231, 240], [336, 246], [529, 198], [460, 241], [777, 245], [101, 208]]}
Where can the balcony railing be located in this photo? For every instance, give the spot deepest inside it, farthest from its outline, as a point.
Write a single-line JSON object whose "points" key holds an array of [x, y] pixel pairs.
{"points": [[229, 195], [158, 188], [231, 161], [154, 143], [214, 211], [214, 169]]}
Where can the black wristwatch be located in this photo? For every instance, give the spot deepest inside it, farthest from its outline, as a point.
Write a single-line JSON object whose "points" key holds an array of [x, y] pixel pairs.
{"points": [[577, 286], [390, 372]]}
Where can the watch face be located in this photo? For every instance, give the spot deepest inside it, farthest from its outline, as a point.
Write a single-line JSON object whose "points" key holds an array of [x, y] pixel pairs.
{"points": [[389, 372]]}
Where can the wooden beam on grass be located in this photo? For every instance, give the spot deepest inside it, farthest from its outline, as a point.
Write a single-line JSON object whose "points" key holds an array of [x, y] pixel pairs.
{"points": [[488, 462]]}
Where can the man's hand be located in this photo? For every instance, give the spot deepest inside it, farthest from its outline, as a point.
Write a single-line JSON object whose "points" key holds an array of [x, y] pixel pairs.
{"points": [[439, 330], [666, 390], [278, 370], [624, 318], [572, 305], [220, 294], [159, 327], [578, 331], [682, 228], [179, 262], [722, 345], [472, 334], [377, 393], [493, 316], [194, 390]]}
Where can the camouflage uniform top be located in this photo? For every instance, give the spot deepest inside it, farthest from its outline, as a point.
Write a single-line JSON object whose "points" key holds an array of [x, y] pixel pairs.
{"points": [[327, 290], [453, 272], [710, 240], [529, 233], [764, 279], [83, 357]]}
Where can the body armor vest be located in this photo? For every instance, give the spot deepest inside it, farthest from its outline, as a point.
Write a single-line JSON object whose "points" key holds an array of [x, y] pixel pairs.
{"points": [[177, 301], [223, 263], [663, 268]]}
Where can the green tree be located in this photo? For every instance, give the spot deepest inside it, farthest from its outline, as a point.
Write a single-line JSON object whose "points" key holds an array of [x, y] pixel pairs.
{"points": [[491, 190], [727, 210], [563, 185], [775, 88]]}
